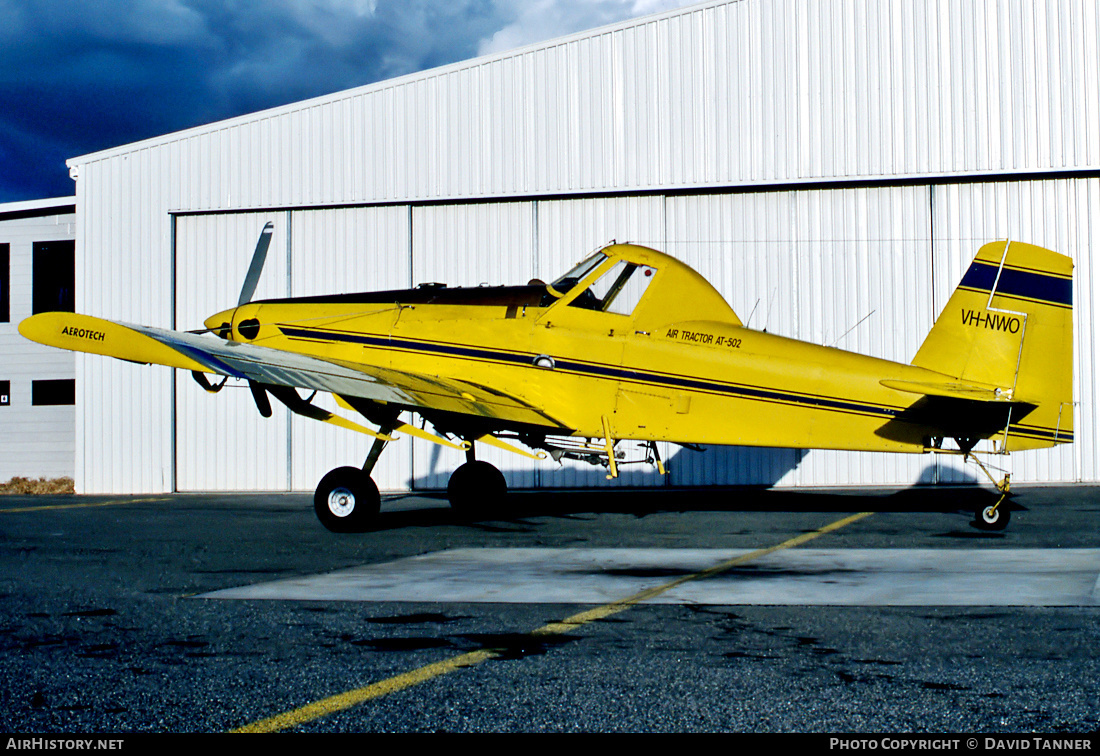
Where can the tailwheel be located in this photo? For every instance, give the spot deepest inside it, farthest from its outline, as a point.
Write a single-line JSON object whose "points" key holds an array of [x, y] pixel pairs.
{"points": [[477, 489], [347, 500], [996, 515]]}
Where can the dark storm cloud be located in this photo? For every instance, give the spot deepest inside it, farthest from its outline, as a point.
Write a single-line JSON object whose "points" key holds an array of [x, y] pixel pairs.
{"points": [[77, 76]]}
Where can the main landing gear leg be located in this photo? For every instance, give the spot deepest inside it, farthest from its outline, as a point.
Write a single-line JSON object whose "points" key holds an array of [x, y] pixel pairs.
{"points": [[996, 515], [476, 488], [347, 499]]}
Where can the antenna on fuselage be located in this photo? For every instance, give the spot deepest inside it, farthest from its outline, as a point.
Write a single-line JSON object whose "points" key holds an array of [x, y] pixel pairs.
{"points": [[768, 315], [753, 312], [841, 336]]}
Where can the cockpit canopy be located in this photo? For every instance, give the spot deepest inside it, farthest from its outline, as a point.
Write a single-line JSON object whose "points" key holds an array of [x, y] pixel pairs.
{"points": [[619, 289], [617, 280]]}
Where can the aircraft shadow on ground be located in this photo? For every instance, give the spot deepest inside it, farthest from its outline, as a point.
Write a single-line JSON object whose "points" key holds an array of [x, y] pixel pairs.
{"points": [[646, 494], [749, 465]]}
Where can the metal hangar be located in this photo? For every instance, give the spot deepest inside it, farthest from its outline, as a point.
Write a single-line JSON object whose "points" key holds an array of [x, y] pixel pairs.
{"points": [[831, 167]]}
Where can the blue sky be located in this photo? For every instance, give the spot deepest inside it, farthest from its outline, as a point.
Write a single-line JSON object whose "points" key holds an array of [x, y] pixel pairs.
{"points": [[78, 76]]}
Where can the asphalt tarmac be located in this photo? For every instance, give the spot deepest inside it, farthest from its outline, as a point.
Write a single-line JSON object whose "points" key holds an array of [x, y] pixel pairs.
{"points": [[620, 611]]}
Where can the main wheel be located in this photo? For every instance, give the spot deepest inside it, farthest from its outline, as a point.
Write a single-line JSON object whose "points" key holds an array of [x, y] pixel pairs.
{"points": [[476, 489], [988, 518], [347, 500]]}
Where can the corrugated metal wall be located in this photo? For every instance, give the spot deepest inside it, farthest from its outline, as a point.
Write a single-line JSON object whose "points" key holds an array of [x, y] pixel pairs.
{"points": [[743, 93], [737, 135], [124, 417]]}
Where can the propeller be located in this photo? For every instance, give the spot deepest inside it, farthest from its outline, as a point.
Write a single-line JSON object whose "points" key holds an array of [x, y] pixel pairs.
{"points": [[263, 404], [257, 266]]}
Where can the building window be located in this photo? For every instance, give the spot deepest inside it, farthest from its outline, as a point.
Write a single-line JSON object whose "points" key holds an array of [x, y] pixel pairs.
{"points": [[5, 284], [5, 393], [47, 393], [54, 276]]}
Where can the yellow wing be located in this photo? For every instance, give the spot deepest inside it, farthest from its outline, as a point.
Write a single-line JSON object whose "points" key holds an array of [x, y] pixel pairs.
{"points": [[276, 367]]}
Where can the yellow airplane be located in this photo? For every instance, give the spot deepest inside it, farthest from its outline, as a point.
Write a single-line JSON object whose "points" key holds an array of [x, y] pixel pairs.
{"points": [[631, 344]]}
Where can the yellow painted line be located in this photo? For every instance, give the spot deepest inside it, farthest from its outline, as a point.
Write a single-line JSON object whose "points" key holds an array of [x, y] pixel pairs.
{"points": [[81, 506], [615, 607], [336, 703], [351, 698]]}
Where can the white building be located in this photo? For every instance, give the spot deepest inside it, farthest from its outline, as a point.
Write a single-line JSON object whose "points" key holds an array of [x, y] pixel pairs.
{"points": [[37, 383], [831, 167]]}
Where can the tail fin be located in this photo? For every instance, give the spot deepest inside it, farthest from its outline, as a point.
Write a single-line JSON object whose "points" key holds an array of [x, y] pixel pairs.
{"points": [[1009, 324]]}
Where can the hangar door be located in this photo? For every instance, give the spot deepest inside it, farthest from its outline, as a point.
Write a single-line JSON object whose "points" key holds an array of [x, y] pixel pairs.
{"points": [[222, 441]]}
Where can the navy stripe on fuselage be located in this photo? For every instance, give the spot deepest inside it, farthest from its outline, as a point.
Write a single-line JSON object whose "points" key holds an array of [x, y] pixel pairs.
{"points": [[596, 369], [390, 342], [610, 371], [1019, 283], [1045, 434]]}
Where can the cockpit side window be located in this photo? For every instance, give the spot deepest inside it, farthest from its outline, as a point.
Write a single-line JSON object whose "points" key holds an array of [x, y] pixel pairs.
{"points": [[631, 289], [618, 290]]}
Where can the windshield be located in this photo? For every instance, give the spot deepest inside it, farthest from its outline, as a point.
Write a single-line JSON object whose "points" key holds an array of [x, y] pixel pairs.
{"points": [[566, 283]]}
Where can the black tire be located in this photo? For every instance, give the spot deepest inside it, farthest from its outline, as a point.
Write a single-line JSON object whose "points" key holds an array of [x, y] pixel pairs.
{"points": [[477, 489], [347, 500], [987, 518]]}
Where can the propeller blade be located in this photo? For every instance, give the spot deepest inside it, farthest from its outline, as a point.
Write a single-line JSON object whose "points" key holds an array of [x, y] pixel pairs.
{"points": [[257, 266], [203, 381], [263, 404]]}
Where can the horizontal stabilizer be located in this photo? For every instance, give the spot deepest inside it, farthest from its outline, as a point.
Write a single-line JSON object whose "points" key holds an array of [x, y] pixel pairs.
{"points": [[954, 389]]}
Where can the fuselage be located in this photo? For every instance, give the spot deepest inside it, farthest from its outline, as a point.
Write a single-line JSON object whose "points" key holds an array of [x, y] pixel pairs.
{"points": [[695, 381], [634, 344]]}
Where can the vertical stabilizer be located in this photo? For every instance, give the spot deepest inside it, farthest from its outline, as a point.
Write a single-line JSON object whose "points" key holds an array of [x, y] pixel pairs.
{"points": [[1009, 324]]}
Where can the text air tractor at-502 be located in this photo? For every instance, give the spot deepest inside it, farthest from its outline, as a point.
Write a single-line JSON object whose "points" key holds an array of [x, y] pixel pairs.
{"points": [[631, 344]]}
